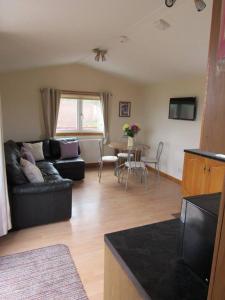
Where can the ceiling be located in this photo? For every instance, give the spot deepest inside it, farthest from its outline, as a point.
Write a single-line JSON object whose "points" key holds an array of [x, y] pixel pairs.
{"points": [[50, 32]]}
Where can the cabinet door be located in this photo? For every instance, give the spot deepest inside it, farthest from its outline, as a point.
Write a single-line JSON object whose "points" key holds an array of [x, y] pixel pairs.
{"points": [[216, 172], [194, 175]]}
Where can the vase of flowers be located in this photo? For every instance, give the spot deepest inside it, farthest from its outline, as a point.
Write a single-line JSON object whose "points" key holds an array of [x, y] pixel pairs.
{"points": [[130, 131]]}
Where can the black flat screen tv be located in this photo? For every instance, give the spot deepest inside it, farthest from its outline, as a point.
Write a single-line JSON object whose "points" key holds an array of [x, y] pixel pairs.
{"points": [[183, 108]]}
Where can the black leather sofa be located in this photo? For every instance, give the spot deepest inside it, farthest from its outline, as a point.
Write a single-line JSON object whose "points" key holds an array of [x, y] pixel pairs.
{"points": [[68, 168], [41, 203]]}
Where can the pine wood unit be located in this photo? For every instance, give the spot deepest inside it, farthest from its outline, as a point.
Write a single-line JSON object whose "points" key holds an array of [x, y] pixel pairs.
{"points": [[217, 282], [202, 175], [117, 285]]}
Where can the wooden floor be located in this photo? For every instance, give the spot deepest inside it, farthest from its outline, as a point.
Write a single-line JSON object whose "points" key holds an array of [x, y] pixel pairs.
{"points": [[99, 209]]}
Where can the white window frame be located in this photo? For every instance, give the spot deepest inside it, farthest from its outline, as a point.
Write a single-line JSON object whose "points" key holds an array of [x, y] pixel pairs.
{"points": [[79, 98]]}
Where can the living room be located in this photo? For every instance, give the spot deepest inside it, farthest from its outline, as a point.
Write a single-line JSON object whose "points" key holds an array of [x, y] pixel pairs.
{"points": [[116, 65]]}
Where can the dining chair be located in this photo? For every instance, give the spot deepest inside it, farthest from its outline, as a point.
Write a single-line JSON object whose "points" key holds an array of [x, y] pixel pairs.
{"points": [[106, 159], [156, 159], [135, 167], [123, 156]]}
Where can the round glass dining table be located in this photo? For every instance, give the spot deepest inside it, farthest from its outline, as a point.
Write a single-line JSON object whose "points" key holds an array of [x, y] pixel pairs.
{"points": [[136, 149], [122, 146]]}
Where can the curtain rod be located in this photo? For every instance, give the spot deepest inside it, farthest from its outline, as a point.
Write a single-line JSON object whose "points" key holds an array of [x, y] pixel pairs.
{"points": [[80, 93], [97, 94]]}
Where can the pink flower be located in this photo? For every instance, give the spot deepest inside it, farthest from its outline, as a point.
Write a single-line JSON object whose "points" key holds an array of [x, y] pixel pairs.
{"points": [[135, 128]]}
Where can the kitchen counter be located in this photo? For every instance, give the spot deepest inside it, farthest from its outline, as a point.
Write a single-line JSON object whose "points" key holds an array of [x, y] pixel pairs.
{"points": [[148, 255], [215, 156]]}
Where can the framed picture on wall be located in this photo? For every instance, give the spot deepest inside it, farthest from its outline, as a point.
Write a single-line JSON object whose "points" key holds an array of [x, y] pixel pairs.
{"points": [[124, 109]]}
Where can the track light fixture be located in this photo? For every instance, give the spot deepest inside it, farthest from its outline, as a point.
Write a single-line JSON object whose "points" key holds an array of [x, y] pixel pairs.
{"points": [[100, 54], [170, 3], [200, 4]]}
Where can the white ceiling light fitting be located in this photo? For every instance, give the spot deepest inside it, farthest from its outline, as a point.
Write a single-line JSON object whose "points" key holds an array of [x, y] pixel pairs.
{"points": [[161, 24], [200, 4], [100, 54]]}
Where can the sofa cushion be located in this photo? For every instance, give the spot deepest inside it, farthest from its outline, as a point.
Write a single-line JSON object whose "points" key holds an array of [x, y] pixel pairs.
{"points": [[46, 147], [49, 172], [55, 146], [69, 163], [27, 154], [68, 149], [36, 149], [71, 168], [15, 174], [47, 167], [31, 171]]}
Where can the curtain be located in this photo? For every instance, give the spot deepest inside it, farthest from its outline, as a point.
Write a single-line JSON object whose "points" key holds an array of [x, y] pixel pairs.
{"points": [[50, 103], [5, 219], [104, 97]]}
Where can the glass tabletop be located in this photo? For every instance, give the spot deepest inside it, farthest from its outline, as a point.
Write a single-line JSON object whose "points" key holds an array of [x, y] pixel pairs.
{"points": [[123, 146]]}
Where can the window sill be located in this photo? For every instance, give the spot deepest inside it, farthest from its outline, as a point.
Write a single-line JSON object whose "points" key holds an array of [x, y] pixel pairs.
{"points": [[79, 134]]}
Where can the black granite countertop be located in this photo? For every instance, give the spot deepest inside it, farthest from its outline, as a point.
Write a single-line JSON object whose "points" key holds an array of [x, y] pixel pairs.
{"points": [[148, 255], [216, 156]]}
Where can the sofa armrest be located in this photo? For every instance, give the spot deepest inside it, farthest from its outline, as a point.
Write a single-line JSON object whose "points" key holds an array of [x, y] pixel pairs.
{"points": [[42, 187]]}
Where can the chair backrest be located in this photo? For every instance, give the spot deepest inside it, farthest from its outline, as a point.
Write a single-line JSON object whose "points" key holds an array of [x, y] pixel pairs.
{"points": [[137, 152], [159, 151], [144, 149], [100, 148]]}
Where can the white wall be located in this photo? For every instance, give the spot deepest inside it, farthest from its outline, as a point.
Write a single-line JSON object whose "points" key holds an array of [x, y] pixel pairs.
{"points": [[22, 111], [177, 135]]}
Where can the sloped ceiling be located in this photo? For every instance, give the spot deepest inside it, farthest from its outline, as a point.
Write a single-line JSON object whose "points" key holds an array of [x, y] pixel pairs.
{"points": [[49, 32]]}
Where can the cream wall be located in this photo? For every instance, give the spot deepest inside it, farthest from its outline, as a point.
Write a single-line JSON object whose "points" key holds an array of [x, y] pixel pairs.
{"points": [[176, 134], [22, 112]]}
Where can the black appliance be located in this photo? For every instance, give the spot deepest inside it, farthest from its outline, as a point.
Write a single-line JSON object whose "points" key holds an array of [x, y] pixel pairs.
{"points": [[199, 215], [183, 108]]}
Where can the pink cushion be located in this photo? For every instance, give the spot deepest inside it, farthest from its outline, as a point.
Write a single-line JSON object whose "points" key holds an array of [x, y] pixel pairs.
{"points": [[69, 149]]}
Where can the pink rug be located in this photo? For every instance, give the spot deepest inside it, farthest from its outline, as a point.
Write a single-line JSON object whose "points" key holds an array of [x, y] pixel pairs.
{"points": [[41, 274]]}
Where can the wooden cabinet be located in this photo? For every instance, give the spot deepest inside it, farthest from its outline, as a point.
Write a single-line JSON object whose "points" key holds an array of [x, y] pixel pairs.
{"points": [[202, 175], [117, 285]]}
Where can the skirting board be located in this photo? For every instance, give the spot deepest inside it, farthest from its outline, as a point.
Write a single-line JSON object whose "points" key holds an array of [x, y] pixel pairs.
{"points": [[92, 165], [174, 179]]}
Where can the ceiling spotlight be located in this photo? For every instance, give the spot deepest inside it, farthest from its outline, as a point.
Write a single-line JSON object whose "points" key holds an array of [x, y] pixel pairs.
{"points": [[200, 5], [100, 54], [124, 39], [161, 24], [170, 3]]}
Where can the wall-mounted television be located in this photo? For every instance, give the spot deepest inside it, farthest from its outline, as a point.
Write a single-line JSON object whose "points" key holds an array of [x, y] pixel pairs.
{"points": [[183, 108]]}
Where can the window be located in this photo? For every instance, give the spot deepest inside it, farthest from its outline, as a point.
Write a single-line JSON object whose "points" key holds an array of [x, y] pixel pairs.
{"points": [[79, 114]]}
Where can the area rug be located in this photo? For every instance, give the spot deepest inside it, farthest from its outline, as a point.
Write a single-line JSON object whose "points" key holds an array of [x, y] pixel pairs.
{"points": [[45, 273]]}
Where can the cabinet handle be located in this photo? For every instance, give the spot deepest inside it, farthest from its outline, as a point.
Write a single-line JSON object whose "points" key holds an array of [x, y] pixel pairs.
{"points": [[209, 169], [204, 168]]}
